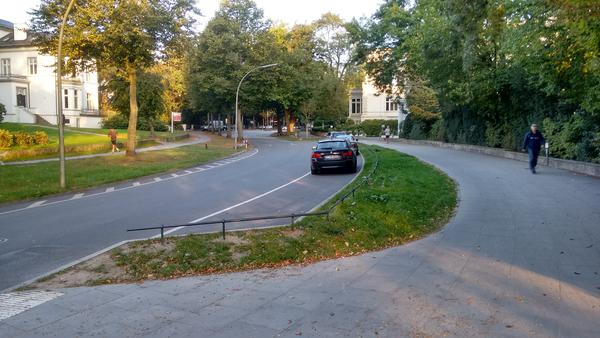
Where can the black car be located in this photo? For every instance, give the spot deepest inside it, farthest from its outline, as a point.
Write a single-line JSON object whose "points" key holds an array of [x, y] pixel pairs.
{"points": [[351, 139], [333, 154]]}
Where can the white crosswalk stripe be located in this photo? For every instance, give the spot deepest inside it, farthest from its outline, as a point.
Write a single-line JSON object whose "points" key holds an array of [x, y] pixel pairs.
{"points": [[13, 303]]}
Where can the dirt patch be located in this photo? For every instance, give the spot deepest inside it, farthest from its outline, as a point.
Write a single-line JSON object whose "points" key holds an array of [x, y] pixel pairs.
{"points": [[232, 239], [98, 270], [293, 233], [101, 269]]}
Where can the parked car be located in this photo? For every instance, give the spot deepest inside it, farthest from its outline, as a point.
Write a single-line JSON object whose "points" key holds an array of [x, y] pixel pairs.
{"points": [[333, 154], [336, 134], [351, 139]]}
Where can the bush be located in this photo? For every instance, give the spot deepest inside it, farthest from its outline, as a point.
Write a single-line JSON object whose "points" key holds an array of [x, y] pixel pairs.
{"points": [[119, 121], [23, 139], [6, 139], [40, 138], [2, 111], [373, 127]]}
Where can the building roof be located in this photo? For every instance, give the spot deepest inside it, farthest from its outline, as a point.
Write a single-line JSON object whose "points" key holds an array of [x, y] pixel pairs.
{"points": [[8, 40], [6, 24]]}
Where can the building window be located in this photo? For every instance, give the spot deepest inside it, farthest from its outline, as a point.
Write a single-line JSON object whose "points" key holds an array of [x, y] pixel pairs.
{"points": [[32, 65], [356, 106], [5, 67], [88, 77], [75, 99], [89, 102], [391, 104], [21, 96], [66, 96]]}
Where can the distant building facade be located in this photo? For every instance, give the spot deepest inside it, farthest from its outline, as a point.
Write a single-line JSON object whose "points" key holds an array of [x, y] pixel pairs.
{"points": [[368, 103], [28, 84]]}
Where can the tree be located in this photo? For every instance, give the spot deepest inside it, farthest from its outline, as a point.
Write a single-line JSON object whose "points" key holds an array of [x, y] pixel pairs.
{"points": [[125, 35], [227, 48], [150, 97], [2, 112]]}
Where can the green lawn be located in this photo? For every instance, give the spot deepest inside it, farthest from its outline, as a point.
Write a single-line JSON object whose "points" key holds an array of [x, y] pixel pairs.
{"points": [[31, 181], [71, 137], [78, 141], [406, 199]]}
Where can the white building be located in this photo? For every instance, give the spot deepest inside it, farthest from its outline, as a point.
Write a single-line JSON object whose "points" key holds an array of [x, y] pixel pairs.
{"points": [[28, 84], [368, 103]]}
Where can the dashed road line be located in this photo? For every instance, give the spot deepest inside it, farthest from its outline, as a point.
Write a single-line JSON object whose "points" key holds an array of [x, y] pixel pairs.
{"points": [[133, 185]]}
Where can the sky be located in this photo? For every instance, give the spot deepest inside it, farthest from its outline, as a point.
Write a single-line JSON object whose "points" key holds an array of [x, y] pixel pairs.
{"points": [[288, 11]]}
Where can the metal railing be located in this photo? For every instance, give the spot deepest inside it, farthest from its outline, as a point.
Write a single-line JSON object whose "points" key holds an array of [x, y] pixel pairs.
{"points": [[292, 216]]}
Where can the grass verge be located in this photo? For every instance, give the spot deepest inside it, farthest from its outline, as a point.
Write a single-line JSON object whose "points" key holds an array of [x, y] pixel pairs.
{"points": [[78, 141], [37, 180], [405, 200]]}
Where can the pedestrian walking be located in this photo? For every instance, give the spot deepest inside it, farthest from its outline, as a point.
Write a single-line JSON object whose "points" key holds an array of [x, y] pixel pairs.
{"points": [[113, 139], [533, 143], [387, 134]]}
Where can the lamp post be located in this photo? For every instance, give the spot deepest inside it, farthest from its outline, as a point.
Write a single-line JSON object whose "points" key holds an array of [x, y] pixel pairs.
{"points": [[237, 94], [59, 111]]}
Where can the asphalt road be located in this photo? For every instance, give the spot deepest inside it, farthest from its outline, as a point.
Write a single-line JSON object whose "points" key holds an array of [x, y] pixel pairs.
{"points": [[44, 235]]}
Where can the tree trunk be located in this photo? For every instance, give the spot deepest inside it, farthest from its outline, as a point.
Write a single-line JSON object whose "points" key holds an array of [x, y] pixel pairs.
{"points": [[229, 125], [133, 115]]}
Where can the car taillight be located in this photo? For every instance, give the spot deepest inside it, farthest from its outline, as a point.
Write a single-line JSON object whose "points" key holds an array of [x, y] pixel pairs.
{"points": [[316, 155], [347, 153]]}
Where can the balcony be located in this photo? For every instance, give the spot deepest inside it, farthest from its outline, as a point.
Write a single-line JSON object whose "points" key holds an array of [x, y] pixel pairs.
{"points": [[13, 78]]}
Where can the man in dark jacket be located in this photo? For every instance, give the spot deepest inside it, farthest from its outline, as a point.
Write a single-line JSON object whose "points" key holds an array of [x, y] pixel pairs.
{"points": [[533, 143]]}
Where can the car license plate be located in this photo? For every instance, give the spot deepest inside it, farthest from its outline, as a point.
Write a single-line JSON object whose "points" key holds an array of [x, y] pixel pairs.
{"points": [[332, 157]]}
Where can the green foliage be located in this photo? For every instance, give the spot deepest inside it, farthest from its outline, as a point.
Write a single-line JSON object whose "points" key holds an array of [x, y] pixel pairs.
{"points": [[120, 121], [373, 127], [40, 137], [6, 139], [2, 111], [23, 139], [494, 67]]}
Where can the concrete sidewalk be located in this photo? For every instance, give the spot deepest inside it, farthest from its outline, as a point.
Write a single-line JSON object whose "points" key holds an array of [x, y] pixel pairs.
{"points": [[520, 259], [196, 139]]}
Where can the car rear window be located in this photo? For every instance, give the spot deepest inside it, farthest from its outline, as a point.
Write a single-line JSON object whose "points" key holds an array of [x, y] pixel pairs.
{"points": [[331, 145]]}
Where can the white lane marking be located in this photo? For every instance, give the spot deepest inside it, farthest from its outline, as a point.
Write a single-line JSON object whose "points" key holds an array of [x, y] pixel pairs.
{"points": [[13, 303], [174, 175], [239, 204], [157, 179], [189, 171], [77, 196], [43, 204], [111, 189], [35, 204]]}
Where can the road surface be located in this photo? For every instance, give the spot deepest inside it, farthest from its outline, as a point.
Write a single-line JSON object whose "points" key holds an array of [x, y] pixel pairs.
{"points": [[270, 180]]}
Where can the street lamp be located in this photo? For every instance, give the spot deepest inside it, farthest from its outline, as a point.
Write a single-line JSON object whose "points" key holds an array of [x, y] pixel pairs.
{"points": [[237, 94], [59, 111]]}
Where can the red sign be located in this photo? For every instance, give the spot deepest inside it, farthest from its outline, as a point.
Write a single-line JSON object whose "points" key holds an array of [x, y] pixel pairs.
{"points": [[176, 117]]}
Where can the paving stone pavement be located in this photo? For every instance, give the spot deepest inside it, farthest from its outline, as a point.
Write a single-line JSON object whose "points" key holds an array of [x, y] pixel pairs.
{"points": [[521, 258]]}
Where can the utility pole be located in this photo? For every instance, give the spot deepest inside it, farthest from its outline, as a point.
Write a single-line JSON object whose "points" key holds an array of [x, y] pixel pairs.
{"points": [[238, 131], [59, 110]]}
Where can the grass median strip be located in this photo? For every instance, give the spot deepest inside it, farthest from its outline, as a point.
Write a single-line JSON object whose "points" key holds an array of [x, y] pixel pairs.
{"points": [[404, 200], [36, 180]]}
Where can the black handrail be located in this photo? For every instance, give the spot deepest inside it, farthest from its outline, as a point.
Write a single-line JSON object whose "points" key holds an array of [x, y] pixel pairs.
{"points": [[293, 216]]}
